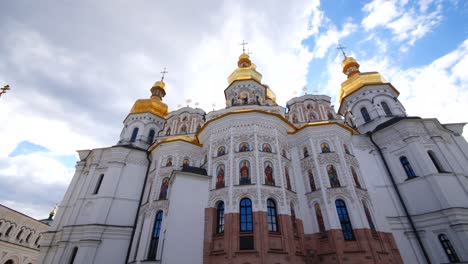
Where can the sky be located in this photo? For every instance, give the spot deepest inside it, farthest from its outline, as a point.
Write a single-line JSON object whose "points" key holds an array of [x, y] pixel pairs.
{"points": [[76, 67]]}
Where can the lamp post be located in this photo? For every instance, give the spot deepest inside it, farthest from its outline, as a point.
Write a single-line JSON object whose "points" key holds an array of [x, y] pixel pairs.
{"points": [[4, 89]]}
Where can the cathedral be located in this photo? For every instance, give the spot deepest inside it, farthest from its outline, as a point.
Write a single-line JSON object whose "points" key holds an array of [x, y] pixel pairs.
{"points": [[257, 182]]}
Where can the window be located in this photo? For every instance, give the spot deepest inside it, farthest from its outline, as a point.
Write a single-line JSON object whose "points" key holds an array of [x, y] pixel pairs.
{"points": [[407, 167], [435, 161], [246, 221], [346, 149], [386, 109], [293, 220], [134, 134], [19, 234], [151, 136], [318, 214], [98, 184], [272, 216], [28, 237], [313, 188], [7, 233], [306, 152], [155, 236], [369, 218], [220, 218], [333, 177], [325, 147], [449, 250], [345, 222], [365, 115], [73, 255], [9, 262], [355, 178], [37, 240]]}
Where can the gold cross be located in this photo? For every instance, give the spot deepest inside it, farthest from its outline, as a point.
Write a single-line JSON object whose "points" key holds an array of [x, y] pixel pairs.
{"points": [[243, 45], [342, 48], [163, 73]]}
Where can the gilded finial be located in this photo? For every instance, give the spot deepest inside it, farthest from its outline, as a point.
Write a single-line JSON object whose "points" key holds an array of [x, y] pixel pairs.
{"points": [[342, 48], [304, 89], [53, 212]]}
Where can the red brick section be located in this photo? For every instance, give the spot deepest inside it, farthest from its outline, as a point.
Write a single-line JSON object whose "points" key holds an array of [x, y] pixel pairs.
{"points": [[286, 247]]}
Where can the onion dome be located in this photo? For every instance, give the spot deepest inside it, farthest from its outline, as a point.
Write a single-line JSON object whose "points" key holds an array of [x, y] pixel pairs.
{"points": [[154, 104]]}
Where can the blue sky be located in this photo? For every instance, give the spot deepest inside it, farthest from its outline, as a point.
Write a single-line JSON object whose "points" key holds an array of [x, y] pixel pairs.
{"points": [[76, 68]]}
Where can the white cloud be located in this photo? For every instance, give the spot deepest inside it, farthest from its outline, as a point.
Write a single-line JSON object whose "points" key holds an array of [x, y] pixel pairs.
{"points": [[331, 37], [406, 22]]}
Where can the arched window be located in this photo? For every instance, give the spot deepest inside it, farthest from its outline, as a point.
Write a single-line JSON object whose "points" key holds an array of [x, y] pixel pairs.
{"points": [[435, 161], [273, 225], [313, 188], [346, 149], [269, 178], [345, 221], [220, 218], [151, 136], [293, 220], [306, 152], [369, 218], [183, 129], [134, 134], [448, 248], [73, 255], [325, 147], [355, 178], [28, 237], [334, 182], [386, 109], [243, 147], [365, 115], [246, 219], [9, 262], [318, 214], [155, 236], [164, 188], [246, 240], [288, 179], [7, 233], [266, 147], [244, 171], [168, 131], [98, 184], [407, 167], [37, 240], [19, 234], [220, 176], [221, 151]]}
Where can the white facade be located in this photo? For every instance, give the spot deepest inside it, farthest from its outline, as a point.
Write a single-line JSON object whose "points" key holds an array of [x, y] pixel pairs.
{"points": [[115, 222]]}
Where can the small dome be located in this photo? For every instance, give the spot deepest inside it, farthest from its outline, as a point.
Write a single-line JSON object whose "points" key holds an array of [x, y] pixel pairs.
{"points": [[159, 84], [244, 61], [153, 105]]}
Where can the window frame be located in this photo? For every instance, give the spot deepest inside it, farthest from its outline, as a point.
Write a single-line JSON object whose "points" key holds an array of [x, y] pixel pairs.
{"points": [[220, 218], [134, 136], [365, 114], [272, 216], [154, 241], [386, 108], [404, 161], [345, 220], [151, 135], [98, 185], [245, 210]]}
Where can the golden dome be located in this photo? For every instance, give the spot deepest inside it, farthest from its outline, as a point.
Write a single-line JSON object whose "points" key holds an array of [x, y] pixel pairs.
{"points": [[246, 70], [154, 104], [356, 79]]}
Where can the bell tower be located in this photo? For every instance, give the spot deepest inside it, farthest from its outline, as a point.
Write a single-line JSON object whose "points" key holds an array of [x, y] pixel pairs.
{"points": [[146, 118], [366, 98]]}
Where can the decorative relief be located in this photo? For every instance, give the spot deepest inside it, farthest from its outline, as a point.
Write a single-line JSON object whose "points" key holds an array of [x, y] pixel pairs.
{"points": [[242, 191], [218, 195], [332, 157], [335, 193], [351, 160]]}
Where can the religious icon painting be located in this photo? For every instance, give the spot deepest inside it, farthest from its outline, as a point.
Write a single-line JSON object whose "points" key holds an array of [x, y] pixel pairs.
{"points": [[266, 147], [333, 177], [269, 179], [243, 147], [220, 177], [164, 188], [288, 179], [169, 162], [244, 172], [221, 151], [325, 148]]}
